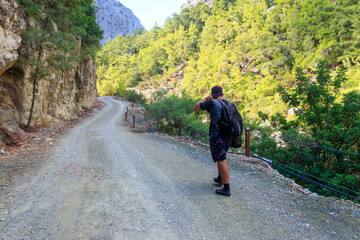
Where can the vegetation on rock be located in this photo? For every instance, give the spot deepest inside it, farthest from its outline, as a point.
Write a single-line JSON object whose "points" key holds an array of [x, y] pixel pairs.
{"points": [[53, 31], [249, 47]]}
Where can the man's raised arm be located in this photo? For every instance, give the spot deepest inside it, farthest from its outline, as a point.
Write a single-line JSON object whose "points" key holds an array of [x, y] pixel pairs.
{"points": [[197, 105]]}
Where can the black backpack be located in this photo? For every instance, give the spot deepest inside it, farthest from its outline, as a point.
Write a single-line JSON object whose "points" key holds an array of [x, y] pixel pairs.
{"points": [[231, 124]]}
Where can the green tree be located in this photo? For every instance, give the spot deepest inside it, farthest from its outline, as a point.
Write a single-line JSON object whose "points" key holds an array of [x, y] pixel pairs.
{"points": [[55, 25], [327, 120]]}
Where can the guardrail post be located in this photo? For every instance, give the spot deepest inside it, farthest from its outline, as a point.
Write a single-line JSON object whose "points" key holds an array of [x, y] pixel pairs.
{"points": [[134, 121], [180, 128], [247, 141]]}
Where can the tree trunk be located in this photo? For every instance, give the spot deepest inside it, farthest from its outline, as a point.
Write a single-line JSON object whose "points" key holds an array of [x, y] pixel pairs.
{"points": [[36, 75], [34, 86]]}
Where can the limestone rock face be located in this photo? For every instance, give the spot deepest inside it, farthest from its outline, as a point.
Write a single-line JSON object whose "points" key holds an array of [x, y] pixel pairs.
{"points": [[12, 26], [61, 96], [115, 19]]}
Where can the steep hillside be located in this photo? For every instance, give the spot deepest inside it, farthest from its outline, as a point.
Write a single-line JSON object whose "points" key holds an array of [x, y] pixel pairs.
{"points": [[65, 73], [249, 47], [115, 19]]}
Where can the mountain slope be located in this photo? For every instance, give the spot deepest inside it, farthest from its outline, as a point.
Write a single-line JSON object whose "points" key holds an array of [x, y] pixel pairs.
{"points": [[115, 19]]}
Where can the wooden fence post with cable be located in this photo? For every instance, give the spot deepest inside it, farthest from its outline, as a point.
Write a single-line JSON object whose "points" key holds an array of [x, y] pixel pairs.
{"points": [[247, 141], [180, 128]]}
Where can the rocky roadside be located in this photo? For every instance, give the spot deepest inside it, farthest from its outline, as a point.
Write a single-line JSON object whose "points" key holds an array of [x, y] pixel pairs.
{"points": [[144, 123], [26, 153], [99, 184], [30, 155]]}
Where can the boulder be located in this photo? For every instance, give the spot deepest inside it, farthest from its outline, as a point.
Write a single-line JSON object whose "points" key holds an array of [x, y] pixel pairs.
{"points": [[12, 26], [61, 96]]}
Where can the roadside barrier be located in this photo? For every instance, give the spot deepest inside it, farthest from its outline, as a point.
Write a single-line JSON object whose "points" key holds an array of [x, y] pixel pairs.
{"points": [[273, 163], [307, 179], [180, 128], [126, 116], [315, 145], [247, 139], [288, 171]]}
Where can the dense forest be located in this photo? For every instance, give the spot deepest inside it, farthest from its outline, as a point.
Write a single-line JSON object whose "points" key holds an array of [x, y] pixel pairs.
{"points": [[249, 47], [291, 67], [56, 24]]}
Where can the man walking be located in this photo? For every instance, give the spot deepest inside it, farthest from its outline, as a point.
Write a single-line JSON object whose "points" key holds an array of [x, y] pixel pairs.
{"points": [[219, 144]]}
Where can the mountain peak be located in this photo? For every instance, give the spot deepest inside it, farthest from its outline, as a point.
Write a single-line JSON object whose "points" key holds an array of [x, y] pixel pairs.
{"points": [[115, 19]]}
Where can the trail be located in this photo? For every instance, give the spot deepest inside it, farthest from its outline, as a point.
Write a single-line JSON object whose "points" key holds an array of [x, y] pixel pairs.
{"points": [[101, 180]]}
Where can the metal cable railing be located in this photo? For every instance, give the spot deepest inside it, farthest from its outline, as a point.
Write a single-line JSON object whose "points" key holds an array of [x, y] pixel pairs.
{"points": [[288, 171], [273, 163], [315, 145]]}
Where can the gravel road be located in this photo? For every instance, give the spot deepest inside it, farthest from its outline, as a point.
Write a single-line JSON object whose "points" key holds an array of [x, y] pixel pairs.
{"points": [[101, 180]]}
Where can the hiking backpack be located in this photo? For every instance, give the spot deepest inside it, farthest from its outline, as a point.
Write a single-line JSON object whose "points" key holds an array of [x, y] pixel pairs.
{"points": [[231, 124]]}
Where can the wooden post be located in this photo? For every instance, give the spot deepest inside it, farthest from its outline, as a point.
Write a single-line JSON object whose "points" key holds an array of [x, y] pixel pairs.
{"points": [[247, 141], [132, 104], [133, 121], [180, 129]]}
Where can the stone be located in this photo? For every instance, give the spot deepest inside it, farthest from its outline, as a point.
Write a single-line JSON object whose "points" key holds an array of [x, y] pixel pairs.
{"points": [[12, 26], [292, 111], [115, 19], [61, 96]]}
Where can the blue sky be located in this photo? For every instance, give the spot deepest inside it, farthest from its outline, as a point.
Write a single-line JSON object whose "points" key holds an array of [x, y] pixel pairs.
{"points": [[151, 11]]}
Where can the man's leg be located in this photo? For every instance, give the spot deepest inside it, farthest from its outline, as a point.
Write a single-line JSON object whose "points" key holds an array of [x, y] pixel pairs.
{"points": [[224, 173]]}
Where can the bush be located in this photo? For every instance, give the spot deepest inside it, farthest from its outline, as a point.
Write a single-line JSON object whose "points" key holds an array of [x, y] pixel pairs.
{"points": [[327, 125], [169, 110]]}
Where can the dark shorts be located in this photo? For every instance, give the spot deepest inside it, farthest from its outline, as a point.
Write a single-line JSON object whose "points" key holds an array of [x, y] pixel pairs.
{"points": [[219, 147]]}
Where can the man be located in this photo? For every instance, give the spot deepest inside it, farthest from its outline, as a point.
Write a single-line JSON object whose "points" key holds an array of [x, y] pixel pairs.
{"points": [[219, 145]]}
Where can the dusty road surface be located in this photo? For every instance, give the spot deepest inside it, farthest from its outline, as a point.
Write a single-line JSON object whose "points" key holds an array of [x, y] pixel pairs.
{"points": [[101, 180]]}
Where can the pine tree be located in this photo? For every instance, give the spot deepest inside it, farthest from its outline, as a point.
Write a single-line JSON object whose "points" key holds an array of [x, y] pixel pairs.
{"points": [[53, 30]]}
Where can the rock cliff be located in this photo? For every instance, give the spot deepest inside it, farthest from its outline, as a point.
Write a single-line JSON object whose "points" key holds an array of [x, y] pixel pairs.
{"points": [[61, 96], [115, 19]]}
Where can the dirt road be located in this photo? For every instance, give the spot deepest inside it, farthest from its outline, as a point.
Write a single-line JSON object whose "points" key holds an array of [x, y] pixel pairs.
{"points": [[103, 181]]}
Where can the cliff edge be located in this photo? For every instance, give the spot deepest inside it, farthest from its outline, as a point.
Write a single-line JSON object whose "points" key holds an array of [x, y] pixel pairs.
{"points": [[61, 96]]}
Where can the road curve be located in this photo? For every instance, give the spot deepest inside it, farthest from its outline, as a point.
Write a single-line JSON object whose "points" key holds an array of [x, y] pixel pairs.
{"points": [[104, 181]]}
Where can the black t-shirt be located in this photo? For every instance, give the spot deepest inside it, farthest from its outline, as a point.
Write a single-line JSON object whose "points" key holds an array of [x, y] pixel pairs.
{"points": [[214, 107]]}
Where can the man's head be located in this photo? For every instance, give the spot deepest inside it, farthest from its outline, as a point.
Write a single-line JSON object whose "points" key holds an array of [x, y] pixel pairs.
{"points": [[216, 92]]}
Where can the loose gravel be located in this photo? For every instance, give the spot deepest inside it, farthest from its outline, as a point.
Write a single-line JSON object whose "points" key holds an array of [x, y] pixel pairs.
{"points": [[102, 180]]}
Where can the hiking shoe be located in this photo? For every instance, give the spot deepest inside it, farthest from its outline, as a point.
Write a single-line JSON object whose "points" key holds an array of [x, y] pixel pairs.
{"points": [[223, 192], [218, 180]]}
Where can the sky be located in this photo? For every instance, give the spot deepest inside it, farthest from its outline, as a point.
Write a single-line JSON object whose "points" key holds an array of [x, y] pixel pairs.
{"points": [[151, 11]]}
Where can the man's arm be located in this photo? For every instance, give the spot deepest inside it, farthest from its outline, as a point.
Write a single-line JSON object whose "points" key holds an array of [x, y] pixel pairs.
{"points": [[197, 105]]}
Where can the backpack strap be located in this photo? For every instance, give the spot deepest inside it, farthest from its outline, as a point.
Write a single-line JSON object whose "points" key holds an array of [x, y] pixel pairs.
{"points": [[222, 102], [222, 105]]}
